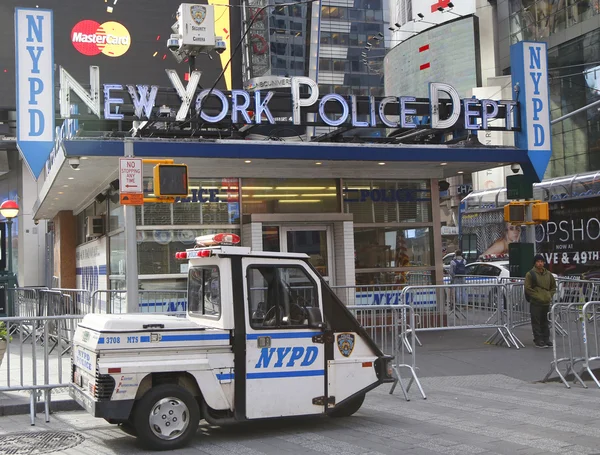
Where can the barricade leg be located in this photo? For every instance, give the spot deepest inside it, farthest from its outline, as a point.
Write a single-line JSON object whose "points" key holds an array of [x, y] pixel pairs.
{"points": [[47, 398], [32, 407]]}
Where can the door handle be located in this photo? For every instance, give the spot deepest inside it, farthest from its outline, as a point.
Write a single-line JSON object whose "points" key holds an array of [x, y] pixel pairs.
{"points": [[263, 342]]}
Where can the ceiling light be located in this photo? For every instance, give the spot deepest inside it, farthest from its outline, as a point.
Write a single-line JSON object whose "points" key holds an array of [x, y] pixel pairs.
{"points": [[71, 178], [319, 195], [461, 172], [65, 186], [301, 188], [275, 195], [318, 163], [84, 158], [61, 192], [381, 164], [56, 199], [300, 201], [248, 161], [443, 164]]}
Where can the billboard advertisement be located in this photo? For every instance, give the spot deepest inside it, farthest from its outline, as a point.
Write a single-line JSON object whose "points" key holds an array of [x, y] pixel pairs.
{"points": [[125, 39], [431, 57]]}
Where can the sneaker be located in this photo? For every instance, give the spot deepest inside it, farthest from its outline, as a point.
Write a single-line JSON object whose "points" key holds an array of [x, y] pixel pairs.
{"points": [[540, 344], [549, 344]]}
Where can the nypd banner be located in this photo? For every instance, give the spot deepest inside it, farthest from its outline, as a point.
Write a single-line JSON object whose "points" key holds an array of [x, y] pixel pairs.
{"points": [[529, 68], [35, 85]]}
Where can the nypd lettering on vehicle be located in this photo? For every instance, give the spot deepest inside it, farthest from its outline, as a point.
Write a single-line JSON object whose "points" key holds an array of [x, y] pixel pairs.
{"points": [[287, 356]]}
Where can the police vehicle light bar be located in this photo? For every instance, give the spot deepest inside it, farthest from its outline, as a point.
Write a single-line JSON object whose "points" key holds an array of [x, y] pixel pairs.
{"points": [[217, 239]]}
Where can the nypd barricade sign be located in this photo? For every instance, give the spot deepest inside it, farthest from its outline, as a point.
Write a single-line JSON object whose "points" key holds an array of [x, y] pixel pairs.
{"points": [[35, 85], [529, 66]]}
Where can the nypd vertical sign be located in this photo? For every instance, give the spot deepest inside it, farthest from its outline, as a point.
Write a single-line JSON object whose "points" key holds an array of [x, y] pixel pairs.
{"points": [[35, 85], [529, 69]]}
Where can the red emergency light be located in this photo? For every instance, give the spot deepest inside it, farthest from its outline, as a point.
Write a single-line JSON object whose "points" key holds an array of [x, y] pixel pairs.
{"points": [[218, 239]]}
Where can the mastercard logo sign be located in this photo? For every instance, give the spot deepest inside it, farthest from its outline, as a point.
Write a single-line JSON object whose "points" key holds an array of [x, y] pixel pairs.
{"points": [[92, 38]]}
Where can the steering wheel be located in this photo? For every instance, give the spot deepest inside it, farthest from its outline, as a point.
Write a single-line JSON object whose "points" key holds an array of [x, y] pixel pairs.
{"points": [[297, 315]]}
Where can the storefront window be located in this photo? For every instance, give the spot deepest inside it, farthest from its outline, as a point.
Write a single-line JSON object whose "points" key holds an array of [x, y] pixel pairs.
{"points": [[117, 254], [157, 248], [289, 196], [390, 247], [388, 201], [116, 215], [210, 201]]}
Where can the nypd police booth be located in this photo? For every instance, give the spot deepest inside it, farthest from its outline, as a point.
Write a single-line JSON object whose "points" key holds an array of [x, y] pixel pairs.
{"points": [[363, 204]]}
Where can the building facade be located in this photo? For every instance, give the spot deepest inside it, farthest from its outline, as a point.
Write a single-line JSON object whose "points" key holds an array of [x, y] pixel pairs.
{"points": [[572, 30]]}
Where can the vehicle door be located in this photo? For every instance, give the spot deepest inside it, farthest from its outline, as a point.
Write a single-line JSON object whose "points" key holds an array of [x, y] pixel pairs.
{"points": [[285, 354]]}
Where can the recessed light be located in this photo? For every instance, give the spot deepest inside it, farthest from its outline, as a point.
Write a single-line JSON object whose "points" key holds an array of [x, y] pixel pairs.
{"points": [[84, 158], [56, 199], [248, 161], [318, 163], [65, 186], [460, 172], [71, 178], [61, 192], [443, 164], [381, 164]]}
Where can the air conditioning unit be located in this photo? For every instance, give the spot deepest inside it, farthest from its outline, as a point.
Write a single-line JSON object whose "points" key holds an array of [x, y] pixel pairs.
{"points": [[94, 227]]}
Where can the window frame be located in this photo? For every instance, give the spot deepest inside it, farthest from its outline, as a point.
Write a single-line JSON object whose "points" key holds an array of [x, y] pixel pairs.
{"points": [[278, 325], [203, 314]]}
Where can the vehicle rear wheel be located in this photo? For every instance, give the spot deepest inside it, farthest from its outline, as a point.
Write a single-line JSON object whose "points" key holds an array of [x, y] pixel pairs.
{"points": [[166, 417], [348, 408]]}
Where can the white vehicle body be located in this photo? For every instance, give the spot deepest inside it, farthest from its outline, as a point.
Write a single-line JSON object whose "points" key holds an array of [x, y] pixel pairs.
{"points": [[264, 337]]}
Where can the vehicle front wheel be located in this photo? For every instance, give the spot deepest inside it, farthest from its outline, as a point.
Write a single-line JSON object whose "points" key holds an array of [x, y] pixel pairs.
{"points": [[166, 417], [348, 408]]}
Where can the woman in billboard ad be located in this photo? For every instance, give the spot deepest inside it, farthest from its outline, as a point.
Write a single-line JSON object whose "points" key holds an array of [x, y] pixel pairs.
{"points": [[511, 234]]}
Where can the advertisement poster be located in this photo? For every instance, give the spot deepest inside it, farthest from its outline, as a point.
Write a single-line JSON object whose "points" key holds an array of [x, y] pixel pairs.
{"points": [[570, 241]]}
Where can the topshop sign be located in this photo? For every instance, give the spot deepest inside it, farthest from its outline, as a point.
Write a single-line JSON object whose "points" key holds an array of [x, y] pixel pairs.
{"points": [[240, 105]]}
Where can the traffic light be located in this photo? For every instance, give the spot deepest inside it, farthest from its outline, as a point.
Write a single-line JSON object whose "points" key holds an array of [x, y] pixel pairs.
{"points": [[514, 212], [540, 212], [171, 180]]}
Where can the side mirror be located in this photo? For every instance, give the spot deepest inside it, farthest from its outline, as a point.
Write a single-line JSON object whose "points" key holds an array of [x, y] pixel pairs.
{"points": [[315, 318]]}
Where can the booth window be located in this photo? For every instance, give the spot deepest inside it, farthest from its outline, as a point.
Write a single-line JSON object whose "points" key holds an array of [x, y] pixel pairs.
{"points": [[279, 296], [204, 291]]}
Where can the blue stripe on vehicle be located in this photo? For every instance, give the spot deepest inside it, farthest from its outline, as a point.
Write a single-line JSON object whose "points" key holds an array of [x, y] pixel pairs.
{"points": [[203, 337], [100, 340], [281, 335], [144, 339], [285, 374], [224, 376]]}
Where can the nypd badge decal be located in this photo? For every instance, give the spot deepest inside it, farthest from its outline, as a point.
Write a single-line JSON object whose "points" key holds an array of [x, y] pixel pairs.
{"points": [[345, 343], [198, 13]]}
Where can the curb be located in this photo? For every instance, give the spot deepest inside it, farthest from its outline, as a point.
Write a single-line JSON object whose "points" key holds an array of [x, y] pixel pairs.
{"points": [[23, 408]]}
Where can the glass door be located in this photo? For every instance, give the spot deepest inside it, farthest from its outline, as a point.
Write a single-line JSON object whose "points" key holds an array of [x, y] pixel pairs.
{"points": [[316, 241]]}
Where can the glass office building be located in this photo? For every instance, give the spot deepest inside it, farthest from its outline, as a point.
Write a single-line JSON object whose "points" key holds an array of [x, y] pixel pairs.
{"points": [[571, 29]]}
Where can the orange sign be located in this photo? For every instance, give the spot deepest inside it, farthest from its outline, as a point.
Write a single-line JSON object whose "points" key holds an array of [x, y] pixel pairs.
{"points": [[132, 198]]}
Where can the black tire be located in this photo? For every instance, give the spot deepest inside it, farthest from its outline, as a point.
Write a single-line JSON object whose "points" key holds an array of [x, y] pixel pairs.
{"points": [[348, 408], [174, 409]]}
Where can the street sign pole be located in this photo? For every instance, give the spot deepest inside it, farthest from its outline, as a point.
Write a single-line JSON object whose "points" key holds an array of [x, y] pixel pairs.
{"points": [[131, 254]]}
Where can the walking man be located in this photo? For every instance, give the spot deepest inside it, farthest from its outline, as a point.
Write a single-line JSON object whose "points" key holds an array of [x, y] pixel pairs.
{"points": [[458, 268], [540, 287]]}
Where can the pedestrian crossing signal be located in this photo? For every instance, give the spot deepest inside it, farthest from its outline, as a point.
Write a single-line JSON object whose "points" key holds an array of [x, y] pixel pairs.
{"points": [[171, 180]]}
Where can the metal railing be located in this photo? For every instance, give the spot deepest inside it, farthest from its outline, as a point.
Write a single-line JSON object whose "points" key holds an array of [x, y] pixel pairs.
{"points": [[389, 326], [575, 330], [40, 356], [150, 301]]}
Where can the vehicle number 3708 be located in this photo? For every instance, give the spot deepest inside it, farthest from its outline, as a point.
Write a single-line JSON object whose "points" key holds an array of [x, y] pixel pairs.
{"points": [[113, 340]]}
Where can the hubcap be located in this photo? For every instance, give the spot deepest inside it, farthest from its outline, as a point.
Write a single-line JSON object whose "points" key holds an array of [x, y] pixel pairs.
{"points": [[169, 418]]}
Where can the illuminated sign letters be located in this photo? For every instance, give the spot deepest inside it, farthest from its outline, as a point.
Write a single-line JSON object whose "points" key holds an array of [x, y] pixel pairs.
{"points": [[239, 104]]}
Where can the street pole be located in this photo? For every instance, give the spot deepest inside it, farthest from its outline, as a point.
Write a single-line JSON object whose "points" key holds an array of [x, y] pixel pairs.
{"points": [[9, 223], [131, 254]]}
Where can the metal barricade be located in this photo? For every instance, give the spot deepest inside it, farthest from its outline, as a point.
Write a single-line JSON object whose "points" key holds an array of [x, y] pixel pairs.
{"points": [[150, 301], [31, 364], [576, 338], [376, 294], [459, 307], [388, 326], [78, 301]]}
